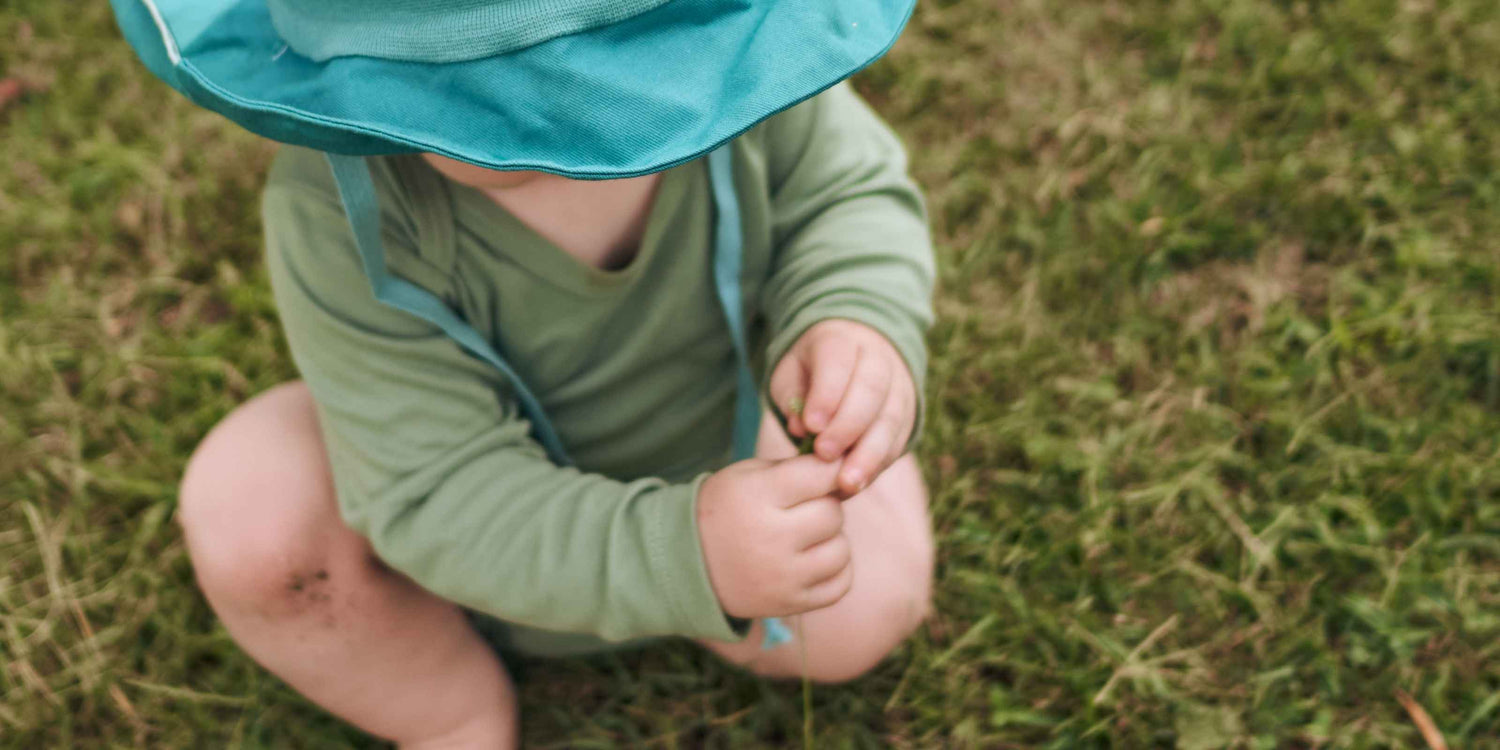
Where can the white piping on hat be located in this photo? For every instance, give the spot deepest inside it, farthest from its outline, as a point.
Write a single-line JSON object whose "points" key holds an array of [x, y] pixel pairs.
{"points": [[166, 33]]}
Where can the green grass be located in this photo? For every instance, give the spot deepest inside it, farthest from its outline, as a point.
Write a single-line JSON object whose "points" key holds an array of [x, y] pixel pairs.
{"points": [[1215, 398]]}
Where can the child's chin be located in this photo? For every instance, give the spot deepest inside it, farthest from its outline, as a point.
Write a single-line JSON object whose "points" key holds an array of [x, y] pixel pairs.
{"points": [[479, 177]]}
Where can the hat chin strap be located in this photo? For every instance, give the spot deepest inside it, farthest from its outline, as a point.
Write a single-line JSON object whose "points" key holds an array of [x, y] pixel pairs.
{"points": [[357, 192]]}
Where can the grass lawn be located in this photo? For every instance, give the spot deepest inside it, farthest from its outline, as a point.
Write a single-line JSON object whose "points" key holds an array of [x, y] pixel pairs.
{"points": [[1214, 433]]}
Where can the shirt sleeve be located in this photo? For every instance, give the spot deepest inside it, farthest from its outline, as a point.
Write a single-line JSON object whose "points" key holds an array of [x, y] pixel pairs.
{"points": [[850, 228], [434, 464]]}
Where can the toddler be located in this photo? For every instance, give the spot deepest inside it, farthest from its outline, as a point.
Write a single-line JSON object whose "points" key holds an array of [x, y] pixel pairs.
{"points": [[563, 281]]}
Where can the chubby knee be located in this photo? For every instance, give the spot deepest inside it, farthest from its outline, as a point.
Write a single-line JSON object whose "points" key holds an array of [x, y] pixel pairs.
{"points": [[840, 657], [892, 593], [837, 655], [257, 510], [851, 638]]}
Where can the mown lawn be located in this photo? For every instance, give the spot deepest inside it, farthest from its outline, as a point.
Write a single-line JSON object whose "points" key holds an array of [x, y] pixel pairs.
{"points": [[1215, 403]]}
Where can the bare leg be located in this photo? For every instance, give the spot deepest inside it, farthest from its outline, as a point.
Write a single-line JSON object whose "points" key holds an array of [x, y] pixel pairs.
{"points": [[304, 596], [891, 539]]}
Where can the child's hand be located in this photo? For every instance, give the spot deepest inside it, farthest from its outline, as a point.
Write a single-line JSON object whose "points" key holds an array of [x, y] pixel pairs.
{"points": [[773, 537], [855, 394]]}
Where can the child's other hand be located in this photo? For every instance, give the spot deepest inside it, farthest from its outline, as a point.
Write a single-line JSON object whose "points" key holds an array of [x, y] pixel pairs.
{"points": [[856, 396], [773, 537]]}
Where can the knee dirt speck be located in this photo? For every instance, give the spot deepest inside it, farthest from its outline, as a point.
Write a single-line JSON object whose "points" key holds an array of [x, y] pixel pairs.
{"points": [[309, 592], [301, 582]]}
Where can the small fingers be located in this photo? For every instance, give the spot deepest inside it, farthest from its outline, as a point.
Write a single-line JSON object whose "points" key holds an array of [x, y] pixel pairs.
{"points": [[824, 561], [864, 400], [815, 522], [799, 479], [833, 361], [787, 389], [828, 592], [875, 451]]}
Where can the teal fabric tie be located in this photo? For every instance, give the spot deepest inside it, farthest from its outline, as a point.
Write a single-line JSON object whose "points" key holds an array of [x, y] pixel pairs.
{"points": [[357, 191], [729, 243], [728, 260]]}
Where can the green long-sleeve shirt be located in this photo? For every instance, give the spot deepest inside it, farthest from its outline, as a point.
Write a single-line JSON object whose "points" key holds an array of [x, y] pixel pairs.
{"points": [[432, 459]]}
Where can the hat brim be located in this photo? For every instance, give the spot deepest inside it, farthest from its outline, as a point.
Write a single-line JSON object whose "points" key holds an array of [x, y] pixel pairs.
{"points": [[634, 97]]}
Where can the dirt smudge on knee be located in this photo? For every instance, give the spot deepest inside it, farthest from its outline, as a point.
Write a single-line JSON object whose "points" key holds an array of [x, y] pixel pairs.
{"points": [[309, 593]]}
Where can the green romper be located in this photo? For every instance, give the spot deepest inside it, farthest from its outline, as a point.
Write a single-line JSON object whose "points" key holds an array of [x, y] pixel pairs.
{"points": [[436, 464]]}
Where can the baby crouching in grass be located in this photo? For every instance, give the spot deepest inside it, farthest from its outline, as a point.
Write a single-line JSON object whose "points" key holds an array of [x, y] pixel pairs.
{"points": [[554, 361]]}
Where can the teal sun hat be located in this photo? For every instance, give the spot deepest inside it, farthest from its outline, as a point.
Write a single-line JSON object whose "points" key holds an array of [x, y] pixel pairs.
{"points": [[580, 88]]}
